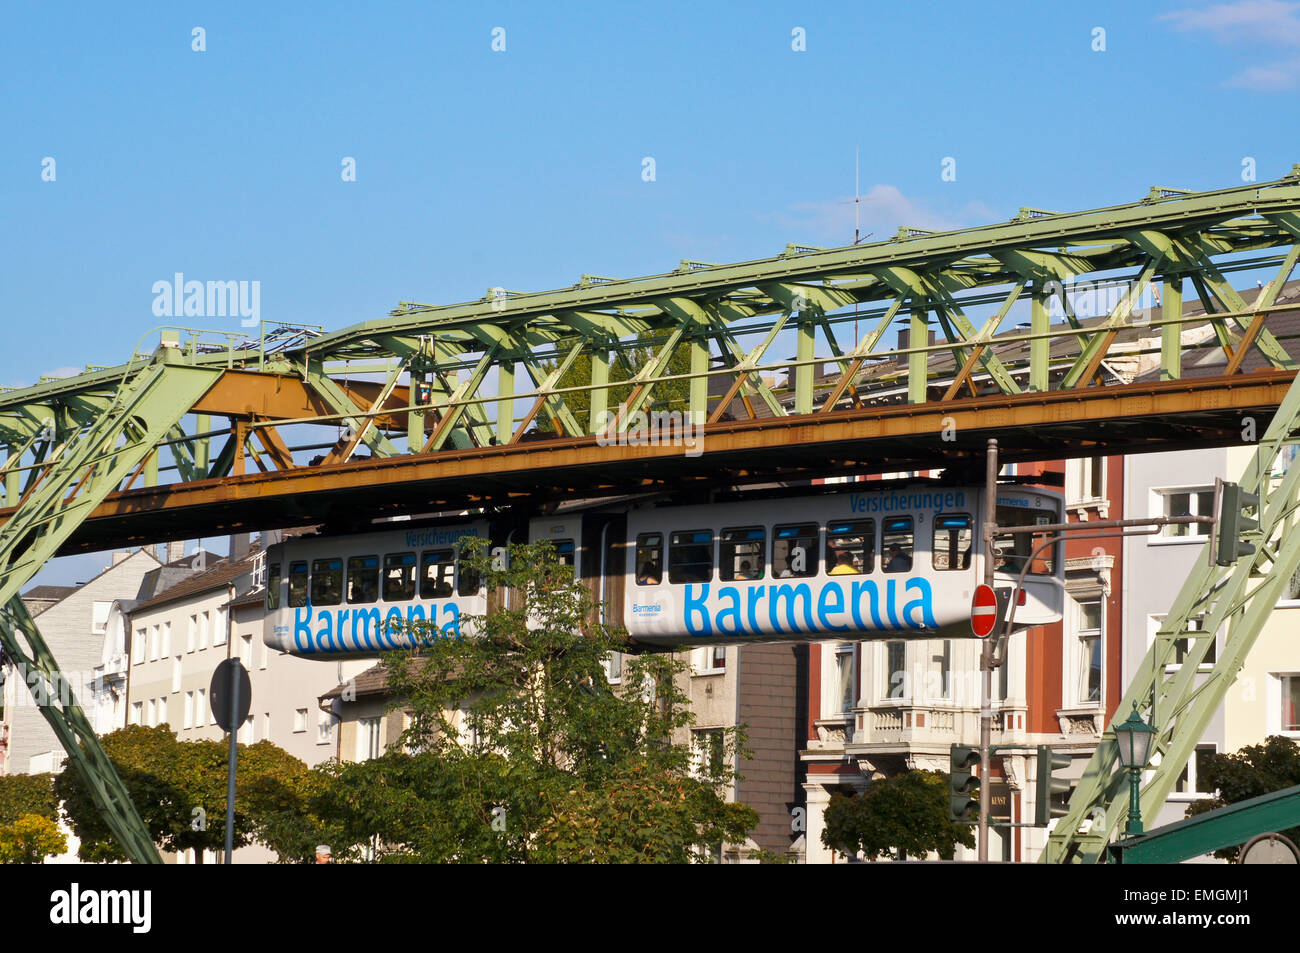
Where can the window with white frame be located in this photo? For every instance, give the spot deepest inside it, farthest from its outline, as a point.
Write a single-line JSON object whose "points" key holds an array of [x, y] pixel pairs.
{"points": [[138, 647], [192, 634], [1087, 620], [246, 651], [201, 714], [151, 713], [162, 711], [189, 710], [710, 659], [219, 627], [1085, 479], [1185, 501], [99, 617], [205, 621], [324, 727], [368, 738], [1183, 646], [1287, 705], [844, 682], [938, 677], [895, 671], [176, 674], [166, 648], [153, 643], [710, 751], [614, 667], [247, 731], [300, 720], [137, 712], [1192, 780]]}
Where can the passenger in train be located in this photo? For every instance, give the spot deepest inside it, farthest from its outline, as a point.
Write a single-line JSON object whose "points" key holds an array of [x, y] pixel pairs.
{"points": [[648, 576], [746, 571], [898, 561], [843, 564]]}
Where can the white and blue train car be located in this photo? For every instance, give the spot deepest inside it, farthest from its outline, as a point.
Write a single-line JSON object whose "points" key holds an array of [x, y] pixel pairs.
{"points": [[333, 596], [862, 562], [893, 562]]}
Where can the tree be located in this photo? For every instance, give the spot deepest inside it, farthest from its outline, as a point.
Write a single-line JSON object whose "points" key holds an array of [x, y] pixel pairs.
{"points": [[666, 396], [520, 751], [30, 839], [906, 814], [23, 794], [1248, 773], [179, 788]]}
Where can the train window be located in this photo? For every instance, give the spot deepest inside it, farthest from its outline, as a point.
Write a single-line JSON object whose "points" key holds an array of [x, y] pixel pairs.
{"points": [[564, 551], [649, 559], [953, 539], [742, 553], [438, 569], [273, 587], [297, 585], [896, 543], [468, 581], [399, 577], [690, 556], [794, 551], [1013, 549], [851, 548], [363, 578], [326, 582]]}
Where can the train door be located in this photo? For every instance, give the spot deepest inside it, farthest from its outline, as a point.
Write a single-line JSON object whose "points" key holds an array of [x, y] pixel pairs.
{"points": [[603, 558]]}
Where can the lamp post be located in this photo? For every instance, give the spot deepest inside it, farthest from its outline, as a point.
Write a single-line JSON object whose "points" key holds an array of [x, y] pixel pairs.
{"points": [[1134, 740]]}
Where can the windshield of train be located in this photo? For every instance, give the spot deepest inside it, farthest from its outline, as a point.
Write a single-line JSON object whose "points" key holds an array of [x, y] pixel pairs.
{"points": [[1012, 549]]}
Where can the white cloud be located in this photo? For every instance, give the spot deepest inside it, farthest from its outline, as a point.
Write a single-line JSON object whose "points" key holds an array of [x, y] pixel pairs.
{"points": [[1246, 21], [883, 209], [1250, 22]]}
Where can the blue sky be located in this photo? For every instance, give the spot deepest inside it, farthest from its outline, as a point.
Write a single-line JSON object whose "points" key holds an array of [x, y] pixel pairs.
{"points": [[523, 168]]}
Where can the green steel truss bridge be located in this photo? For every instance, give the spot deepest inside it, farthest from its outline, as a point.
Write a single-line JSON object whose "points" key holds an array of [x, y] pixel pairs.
{"points": [[900, 354]]}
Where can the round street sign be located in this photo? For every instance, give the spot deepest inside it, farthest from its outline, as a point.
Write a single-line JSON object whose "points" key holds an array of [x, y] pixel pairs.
{"points": [[220, 691], [983, 611]]}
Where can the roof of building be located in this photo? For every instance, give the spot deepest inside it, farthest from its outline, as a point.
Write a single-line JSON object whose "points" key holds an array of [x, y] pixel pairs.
{"points": [[373, 681], [55, 593], [219, 576]]}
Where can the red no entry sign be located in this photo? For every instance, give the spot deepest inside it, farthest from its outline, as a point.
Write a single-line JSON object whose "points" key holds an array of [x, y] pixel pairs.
{"points": [[983, 611]]}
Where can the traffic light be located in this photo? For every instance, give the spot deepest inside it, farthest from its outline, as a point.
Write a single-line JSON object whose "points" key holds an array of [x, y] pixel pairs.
{"points": [[1232, 524], [963, 783], [1049, 788]]}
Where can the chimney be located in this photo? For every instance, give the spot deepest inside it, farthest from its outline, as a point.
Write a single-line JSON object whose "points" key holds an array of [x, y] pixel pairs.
{"points": [[239, 545], [175, 551]]}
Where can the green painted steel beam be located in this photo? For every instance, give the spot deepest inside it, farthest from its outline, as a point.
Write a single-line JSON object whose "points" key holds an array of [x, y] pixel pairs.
{"points": [[1224, 827]]}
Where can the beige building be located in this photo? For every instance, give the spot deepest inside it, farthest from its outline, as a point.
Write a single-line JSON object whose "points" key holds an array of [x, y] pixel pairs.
{"points": [[73, 621]]}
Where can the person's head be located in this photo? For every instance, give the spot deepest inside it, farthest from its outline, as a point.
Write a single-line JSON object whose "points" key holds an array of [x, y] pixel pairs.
{"points": [[842, 558], [323, 854], [744, 565]]}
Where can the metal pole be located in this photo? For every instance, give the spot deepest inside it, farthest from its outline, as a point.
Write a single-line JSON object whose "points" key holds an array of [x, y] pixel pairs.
{"points": [[230, 764], [986, 653]]}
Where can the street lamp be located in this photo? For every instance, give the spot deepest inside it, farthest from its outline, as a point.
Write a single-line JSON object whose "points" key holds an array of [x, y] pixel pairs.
{"points": [[1134, 740]]}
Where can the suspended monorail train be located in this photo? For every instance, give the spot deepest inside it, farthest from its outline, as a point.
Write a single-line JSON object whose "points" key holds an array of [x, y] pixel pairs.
{"points": [[863, 561]]}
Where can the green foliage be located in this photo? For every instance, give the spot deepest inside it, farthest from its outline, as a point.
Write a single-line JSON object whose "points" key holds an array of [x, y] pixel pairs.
{"points": [[520, 751], [905, 815], [179, 788], [22, 794], [666, 396], [30, 839], [1250, 772]]}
